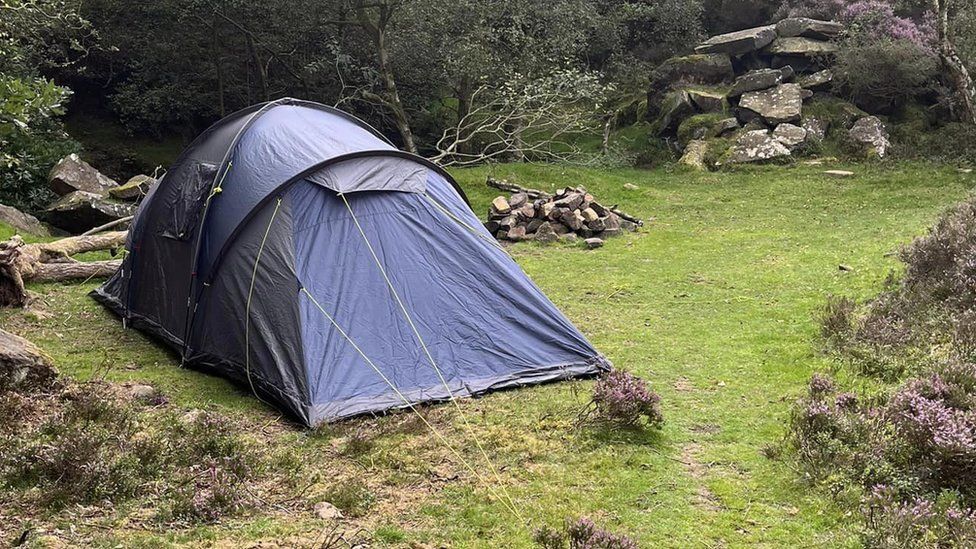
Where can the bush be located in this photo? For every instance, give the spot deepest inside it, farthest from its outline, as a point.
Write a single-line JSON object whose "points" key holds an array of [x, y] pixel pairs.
{"points": [[623, 399], [581, 533], [32, 139], [881, 74]]}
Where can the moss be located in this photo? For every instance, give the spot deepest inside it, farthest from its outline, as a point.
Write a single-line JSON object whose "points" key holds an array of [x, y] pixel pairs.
{"points": [[838, 115], [697, 126], [718, 151]]}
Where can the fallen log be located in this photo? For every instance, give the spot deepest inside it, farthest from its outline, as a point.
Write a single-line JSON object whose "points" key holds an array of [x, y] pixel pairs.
{"points": [[52, 262]]}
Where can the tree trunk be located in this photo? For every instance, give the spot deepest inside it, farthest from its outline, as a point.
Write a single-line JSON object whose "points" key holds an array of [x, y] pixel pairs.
{"points": [[51, 262], [961, 81], [464, 92], [261, 69], [392, 96]]}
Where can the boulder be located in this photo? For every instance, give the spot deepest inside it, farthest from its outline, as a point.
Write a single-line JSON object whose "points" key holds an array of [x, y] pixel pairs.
{"points": [[676, 107], [756, 80], [517, 200], [545, 233], [592, 243], [326, 511], [22, 222], [71, 174], [756, 146], [703, 70], [694, 155], [23, 366], [79, 211], [739, 42], [870, 137], [775, 105], [755, 124], [790, 135], [815, 127], [800, 46], [809, 28], [707, 100], [133, 189], [723, 127], [817, 81]]}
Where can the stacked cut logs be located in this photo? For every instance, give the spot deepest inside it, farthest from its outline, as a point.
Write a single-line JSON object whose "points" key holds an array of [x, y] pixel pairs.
{"points": [[571, 213]]}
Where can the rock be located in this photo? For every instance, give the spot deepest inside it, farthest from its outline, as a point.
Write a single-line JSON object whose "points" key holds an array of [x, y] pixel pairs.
{"points": [[676, 107], [71, 173], [22, 365], [739, 42], [817, 81], [500, 205], [133, 189], [533, 226], [694, 155], [517, 200], [756, 146], [589, 214], [775, 105], [326, 511], [526, 212], [722, 127], [839, 173], [796, 63], [545, 233], [592, 243], [800, 46], [567, 237], [790, 135], [676, 72], [79, 211], [23, 222], [141, 392], [707, 100], [815, 128], [755, 124], [869, 135], [516, 233], [507, 223], [631, 187], [808, 28], [492, 226], [573, 220], [756, 80], [597, 225], [546, 210], [571, 201], [628, 225]]}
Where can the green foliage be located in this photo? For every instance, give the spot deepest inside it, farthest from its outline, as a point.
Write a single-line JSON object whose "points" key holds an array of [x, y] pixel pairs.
{"points": [[882, 74], [31, 139], [697, 126], [353, 497]]}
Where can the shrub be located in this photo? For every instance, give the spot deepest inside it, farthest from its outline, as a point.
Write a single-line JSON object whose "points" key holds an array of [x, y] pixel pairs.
{"points": [[211, 491], [623, 399], [880, 74], [581, 533], [353, 497]]}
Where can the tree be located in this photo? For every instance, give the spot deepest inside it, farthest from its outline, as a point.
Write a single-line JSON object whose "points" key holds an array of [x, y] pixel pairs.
{"points": [[959, 76]]}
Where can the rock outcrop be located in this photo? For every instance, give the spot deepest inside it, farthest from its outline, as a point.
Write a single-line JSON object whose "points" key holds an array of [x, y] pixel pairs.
{"points": [[133, 189], [775, 80]]}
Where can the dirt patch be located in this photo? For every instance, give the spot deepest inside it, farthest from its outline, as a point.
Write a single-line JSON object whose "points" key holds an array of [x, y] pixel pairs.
{"points": [[704, 498]]}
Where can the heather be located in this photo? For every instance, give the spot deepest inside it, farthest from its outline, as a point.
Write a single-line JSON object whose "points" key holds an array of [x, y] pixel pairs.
{"points": [[581, 533], [904, 445], [624, 400]]}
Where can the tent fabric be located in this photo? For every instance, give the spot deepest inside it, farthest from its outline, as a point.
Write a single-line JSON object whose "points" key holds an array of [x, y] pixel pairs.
{"points": [[272, 281]]}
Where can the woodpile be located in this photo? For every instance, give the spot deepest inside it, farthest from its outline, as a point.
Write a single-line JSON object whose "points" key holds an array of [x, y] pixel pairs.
{"points": [[569, 214]]}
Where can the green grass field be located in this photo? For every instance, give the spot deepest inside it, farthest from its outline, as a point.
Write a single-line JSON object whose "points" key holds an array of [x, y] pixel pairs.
{"points": [[714, 302]]}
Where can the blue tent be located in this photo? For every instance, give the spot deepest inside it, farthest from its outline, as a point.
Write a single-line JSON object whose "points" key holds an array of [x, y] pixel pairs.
{"points": [[293, 249]]}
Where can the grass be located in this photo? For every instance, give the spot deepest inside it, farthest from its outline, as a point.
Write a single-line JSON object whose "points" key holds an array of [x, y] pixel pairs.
{"points": [[714, 303]]}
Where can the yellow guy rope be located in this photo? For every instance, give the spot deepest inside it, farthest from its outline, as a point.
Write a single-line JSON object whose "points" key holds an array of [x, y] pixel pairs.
{"points": [[440, 437], [247, 307], [430, 357]]}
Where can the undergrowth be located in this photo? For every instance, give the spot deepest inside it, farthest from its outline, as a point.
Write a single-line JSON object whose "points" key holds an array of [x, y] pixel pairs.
{"points": [[904, 452]]}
